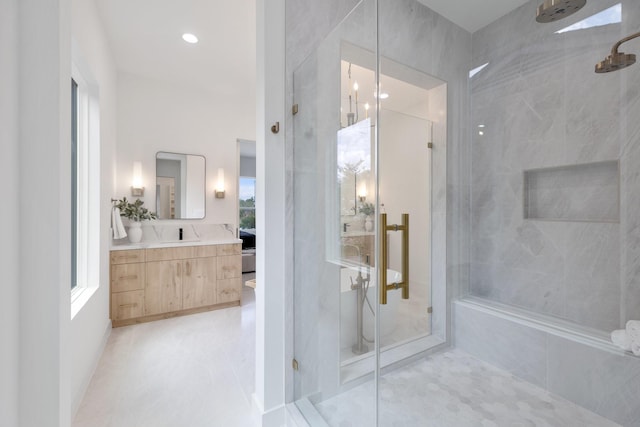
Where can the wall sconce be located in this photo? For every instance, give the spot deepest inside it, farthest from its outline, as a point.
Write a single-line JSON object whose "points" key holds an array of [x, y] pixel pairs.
{"points": [[362, 192], [220, 184], [137, 188]]}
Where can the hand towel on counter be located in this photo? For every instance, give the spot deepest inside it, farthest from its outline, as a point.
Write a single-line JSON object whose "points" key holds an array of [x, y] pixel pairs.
{"points": [[116, 224], [633, 336]]}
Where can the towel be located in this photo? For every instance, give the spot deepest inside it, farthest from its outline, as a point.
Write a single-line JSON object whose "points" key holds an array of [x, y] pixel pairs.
{"points": [[633, 335], [621, 339], [116, 224]]}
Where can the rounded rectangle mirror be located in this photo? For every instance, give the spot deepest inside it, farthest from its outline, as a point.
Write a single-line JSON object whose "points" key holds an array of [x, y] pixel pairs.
{"points": [[180, 186]]}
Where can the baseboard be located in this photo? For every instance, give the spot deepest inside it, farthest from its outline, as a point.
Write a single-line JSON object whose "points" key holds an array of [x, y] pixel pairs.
{"points": [[275, 417]]}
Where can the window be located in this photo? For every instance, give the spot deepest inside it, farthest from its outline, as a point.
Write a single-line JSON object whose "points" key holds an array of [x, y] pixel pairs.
{"points": [[74, 183], [85, 181], [247, 203]]}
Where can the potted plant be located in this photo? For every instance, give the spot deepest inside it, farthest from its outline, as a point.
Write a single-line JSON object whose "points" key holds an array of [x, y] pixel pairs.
{"points": [[368, 209], [135, 213]]}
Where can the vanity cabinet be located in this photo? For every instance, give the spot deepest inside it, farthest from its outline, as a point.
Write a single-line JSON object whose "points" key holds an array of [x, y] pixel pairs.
{"points": [[128, 277], [151, 284], [163, 287]]}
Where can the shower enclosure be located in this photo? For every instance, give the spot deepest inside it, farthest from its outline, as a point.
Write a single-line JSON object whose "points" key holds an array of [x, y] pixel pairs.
{"points": [[476, 190]]}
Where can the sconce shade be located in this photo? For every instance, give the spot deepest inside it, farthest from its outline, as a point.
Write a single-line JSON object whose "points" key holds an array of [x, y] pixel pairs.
{"points": [[219, 190], [137, 187], [362, 192]]}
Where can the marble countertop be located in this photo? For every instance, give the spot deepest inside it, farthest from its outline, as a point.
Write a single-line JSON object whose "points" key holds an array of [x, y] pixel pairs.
{"points": [[173, 244]]}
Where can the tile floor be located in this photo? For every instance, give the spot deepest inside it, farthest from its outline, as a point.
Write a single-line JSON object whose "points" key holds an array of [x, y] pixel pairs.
{"points": [[452, 389], [198, 371], [189, 371]]}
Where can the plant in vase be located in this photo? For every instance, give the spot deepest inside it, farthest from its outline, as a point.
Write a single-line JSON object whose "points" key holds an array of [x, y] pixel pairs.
{"points": [[135, 213], [368, 210]]}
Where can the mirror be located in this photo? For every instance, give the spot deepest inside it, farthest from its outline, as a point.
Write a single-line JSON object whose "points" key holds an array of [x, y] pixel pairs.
{"points": [[180, 186]]}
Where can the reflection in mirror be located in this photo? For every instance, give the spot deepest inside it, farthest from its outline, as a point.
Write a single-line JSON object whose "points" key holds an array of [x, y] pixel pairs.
{"points": [[354, 164], [180, 186]]}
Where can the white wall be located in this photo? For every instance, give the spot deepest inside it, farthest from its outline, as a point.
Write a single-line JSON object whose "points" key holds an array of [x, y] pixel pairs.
{"points": [[9, 176], [44, 115], [247, 166], [90, 326], [271, 217], [156, 116]]}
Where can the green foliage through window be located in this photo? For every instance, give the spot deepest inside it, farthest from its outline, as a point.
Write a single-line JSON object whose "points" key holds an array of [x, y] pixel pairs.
{"points": [[247, 203]]}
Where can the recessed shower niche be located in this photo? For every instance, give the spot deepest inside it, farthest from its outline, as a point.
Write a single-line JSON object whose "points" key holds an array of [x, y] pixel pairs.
{"points": [[583, 192]]}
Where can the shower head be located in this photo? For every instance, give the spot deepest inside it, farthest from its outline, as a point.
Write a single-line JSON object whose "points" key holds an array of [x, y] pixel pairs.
{"points": [[553, 10], [617, 60], [614, 62]]}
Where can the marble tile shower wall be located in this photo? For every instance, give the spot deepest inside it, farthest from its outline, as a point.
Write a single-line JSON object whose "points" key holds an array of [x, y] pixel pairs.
{"points": [[410, 34], [542, 106]]}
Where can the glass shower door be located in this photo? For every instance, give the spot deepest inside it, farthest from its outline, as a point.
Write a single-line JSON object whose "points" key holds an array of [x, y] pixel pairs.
{"points": [[334, 239], [362, 149]]}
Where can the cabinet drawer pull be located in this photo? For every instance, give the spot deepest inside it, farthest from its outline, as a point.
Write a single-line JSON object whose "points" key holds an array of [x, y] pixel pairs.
{"points": [[126, 257], [129, 277], [133, 304]]}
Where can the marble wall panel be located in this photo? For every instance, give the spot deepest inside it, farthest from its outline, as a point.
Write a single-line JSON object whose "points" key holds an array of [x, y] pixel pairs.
{"points": [[606, 383], [542, 105], [593, 286], [629, 174], [308, 22], [513, 347], [603, 381]]}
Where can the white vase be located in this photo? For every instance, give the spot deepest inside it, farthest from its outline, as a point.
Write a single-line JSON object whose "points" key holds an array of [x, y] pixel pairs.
{"points": [[135, 232], [368, 224]]}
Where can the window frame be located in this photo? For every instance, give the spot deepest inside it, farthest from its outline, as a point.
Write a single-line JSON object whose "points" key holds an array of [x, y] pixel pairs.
{"points": [[85, 186]]}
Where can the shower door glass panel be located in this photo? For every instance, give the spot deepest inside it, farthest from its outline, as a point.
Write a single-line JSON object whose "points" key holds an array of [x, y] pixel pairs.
{"points": [[412, 124], [334, 246]]}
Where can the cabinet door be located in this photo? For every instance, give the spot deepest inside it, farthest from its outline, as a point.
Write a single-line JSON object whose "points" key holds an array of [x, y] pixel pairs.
{"points": [[229, 267], [229, 290], [127, 305], [199, 282], [127, 277], [127, 257], [232, 249], [163, 287], [229, 284]]}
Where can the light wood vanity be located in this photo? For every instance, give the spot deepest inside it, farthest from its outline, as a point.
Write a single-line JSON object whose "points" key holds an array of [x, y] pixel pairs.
{"points": [[158, 283]]}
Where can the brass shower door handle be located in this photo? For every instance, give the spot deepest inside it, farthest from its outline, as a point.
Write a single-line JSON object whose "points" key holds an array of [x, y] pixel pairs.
{"points": [[384, 249]]}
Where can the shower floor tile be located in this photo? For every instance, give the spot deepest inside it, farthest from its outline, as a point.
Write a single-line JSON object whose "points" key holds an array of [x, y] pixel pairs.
{"points": [[453, 389]]}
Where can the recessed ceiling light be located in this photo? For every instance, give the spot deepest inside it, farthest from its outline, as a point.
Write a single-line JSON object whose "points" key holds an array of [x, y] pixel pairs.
{"points": [[189, 38]]}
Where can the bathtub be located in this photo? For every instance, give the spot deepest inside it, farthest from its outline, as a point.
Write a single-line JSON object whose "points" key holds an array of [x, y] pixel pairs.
{"points": [[348, 308]]}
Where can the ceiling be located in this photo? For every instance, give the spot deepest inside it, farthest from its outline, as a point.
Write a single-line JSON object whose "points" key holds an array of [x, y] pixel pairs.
{"points": [[146, 39], [473, 14]]}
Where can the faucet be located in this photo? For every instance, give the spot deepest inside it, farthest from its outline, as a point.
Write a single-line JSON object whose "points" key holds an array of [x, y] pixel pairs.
{"points": [[180, 234], [344, 226]]}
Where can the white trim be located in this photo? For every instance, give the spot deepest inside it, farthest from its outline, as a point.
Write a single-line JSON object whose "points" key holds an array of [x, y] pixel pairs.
{"points": [[270, 209], [88, 182], [305, 414], [79, 297]]}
